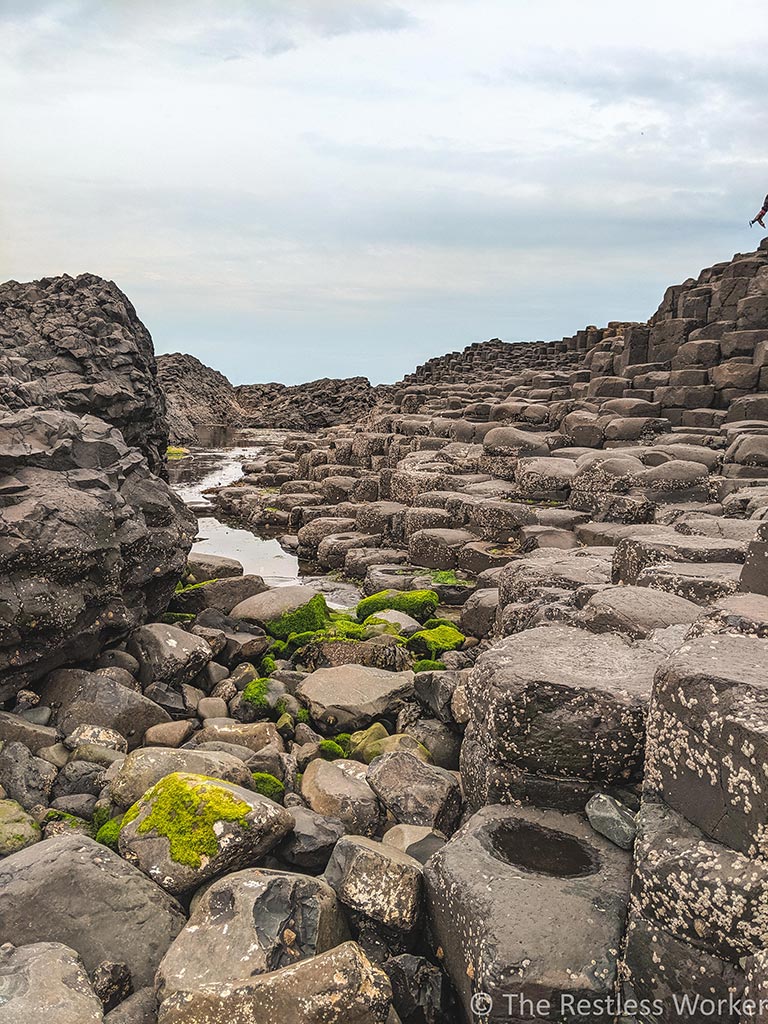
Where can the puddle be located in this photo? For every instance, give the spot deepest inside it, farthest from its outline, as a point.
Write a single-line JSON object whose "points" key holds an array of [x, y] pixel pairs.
{"points": [[202, 469]]}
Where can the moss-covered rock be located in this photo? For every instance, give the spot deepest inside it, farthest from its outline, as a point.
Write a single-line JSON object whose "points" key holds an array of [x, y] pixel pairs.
{"points": [[256, 695], [309, 618], [269, 786], [419, 604], [330, 750], [448, 578], [429, 643], [109, 833], [268, 665], [428, 665], [188, 828], [358, 741], [399, 743], [184, 809], [17, 828]]}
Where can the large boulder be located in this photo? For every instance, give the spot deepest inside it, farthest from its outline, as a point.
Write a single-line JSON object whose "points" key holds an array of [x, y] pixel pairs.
{"points": [[251, 922], [76, 343], [42, 980], [349, 697], [78, 697], [555, 710], [527, 904], [92, 542], [72, 890], [189, 828]]}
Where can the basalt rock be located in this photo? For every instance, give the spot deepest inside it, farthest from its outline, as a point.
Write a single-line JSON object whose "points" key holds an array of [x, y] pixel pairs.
{"points": [[76, 344], [92, 543]]}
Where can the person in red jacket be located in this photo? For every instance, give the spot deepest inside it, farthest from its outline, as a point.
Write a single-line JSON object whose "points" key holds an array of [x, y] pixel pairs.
{"points": [[759, 218]]}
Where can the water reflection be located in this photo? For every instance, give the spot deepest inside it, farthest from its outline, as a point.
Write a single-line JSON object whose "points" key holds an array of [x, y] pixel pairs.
{"points": [[202, 469]]}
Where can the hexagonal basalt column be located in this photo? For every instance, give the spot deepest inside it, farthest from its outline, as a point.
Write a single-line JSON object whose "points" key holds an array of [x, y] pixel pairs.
{"points": [[528, 907]]}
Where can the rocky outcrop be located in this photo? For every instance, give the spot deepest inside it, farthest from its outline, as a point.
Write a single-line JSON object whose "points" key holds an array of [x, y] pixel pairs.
{"points": [[76, 343], [196, 397], [318, 403], [91, 542], [203, 405]]}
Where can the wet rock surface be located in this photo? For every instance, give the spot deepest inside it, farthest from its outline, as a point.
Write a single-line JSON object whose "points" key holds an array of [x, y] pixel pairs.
{"points": [[507, 741]]}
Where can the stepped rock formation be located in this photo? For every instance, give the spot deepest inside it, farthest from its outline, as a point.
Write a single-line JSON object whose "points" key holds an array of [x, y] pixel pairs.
{"points": [[524, 774], [592, 513], [75, 343]]}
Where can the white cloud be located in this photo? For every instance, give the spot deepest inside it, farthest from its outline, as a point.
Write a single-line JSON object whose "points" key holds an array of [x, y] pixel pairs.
{"points": [[425, 172]]}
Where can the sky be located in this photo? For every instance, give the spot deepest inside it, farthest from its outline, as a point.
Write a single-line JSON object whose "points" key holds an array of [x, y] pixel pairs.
{"points": [[292, 189]]}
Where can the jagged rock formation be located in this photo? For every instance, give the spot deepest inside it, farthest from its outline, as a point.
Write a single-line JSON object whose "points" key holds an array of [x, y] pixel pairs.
{"points": [[200, 400], [318, 403], [196, 396], [91, 541], [76, 343]]}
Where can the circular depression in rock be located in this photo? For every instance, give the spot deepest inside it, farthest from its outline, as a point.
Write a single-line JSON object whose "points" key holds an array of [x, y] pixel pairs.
{"points": [[541, 850]]}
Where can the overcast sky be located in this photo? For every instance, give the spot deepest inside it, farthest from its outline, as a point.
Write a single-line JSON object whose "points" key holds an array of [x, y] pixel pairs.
{"points": [[291, 189]]}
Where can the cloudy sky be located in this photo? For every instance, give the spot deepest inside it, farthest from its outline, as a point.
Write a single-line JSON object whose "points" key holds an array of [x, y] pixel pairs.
{"points": [[291, 189]]}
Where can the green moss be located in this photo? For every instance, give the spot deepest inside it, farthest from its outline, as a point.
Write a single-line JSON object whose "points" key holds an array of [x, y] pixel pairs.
{"points": [[173, 454], [268, 786], [184, 808], [330, 750], [311, 617], [108, 833], [448, 578], [278, 649], [172, 618], [434, 623], [100, 817], [185, 588], [344, 740], [429, 643], [419, 604], [427, 665], [268, 665], [255, 694], [302, 715]]}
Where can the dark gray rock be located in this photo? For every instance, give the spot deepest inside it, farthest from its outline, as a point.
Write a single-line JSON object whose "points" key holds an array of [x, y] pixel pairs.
{"points": [[27, 779], [93, 543], [311, 843], [525, 903], [38, 978], [70, 889], [76, 344], [416, 793]]}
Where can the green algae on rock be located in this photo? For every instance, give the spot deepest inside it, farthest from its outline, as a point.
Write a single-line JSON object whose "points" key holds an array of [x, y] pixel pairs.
{"points": [[307, 619], [431, 642], [189, 828], [269, 786], [420, 604]]}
